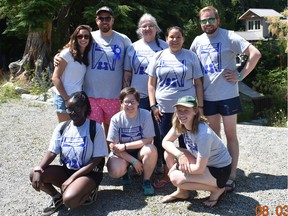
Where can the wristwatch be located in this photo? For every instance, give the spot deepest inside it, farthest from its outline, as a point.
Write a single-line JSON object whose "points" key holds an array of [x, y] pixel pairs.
{"points": [[240, 78]]}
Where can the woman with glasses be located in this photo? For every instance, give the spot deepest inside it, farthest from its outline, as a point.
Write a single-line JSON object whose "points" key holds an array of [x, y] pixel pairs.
{"points": [[69, 74], [204, 163], [173, 72], [137, 58], [130, 138], [82, 158]]}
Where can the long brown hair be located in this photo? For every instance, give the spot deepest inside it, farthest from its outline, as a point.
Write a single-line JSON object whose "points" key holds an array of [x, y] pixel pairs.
{"points": [[74, 46], [180, 128]]}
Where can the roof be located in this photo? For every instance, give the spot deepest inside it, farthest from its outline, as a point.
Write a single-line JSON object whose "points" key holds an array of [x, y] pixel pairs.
{"points": [[250, 35], [260, 13]]}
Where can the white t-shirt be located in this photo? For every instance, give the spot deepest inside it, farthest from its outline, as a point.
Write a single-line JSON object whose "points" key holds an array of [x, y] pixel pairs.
{"points": [[124, 130], [175, 73], [75, 144], [216, 53], [73, 74]]}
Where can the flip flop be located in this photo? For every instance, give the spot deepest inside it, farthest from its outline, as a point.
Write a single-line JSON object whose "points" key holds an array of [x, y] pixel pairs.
{"points": [[170, 198], [160, 183], [216, 201]]}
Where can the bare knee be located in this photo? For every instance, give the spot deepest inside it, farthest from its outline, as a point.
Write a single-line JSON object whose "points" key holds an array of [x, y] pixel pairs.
{"points": [[115, 171], [70, 200], [174, 178]]}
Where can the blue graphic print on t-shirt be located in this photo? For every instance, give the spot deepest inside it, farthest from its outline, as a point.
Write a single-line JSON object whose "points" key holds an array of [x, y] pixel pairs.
{"points": [[211, 57], [190, 145], [140, 61], [130, 134], [172, 73], [101, 59], [73, 151]]}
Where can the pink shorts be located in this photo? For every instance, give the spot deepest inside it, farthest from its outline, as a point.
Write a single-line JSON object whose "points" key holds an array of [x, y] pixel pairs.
{"points": [[103, 109]]}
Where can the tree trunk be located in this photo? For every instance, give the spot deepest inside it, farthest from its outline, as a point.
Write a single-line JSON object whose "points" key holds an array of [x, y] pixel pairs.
{"points": [[37, 54]]}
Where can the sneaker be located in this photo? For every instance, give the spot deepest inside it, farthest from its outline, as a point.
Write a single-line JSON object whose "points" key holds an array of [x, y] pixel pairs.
{"points": [[148, 188], [126, 180], [53, 206], [92, 198]]}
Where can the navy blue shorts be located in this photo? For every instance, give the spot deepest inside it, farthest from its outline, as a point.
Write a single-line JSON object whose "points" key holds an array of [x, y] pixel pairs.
{"points": [[224, 107]]}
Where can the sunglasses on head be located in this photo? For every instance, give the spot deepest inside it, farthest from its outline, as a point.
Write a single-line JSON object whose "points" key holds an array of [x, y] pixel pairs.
{"points": [[205, 21], [86, 37], [106, 19]]}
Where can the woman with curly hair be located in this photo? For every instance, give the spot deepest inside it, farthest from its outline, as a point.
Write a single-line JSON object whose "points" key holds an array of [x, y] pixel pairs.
{"points": [[69, 74]]}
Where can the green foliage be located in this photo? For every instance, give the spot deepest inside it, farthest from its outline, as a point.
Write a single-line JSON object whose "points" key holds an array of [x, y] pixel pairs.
{"points": [[273, 83], [28, 15], [41, 83], [247, 109], [8, 92]]}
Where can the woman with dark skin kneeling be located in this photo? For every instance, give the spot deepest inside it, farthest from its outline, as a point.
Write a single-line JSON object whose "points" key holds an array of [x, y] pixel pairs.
{"points": [[205, 164], [82, 158]]}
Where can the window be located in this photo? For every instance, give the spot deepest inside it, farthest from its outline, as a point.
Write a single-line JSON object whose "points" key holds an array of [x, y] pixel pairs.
{"points": [[253, 25], [257, 24], [250, 25]]}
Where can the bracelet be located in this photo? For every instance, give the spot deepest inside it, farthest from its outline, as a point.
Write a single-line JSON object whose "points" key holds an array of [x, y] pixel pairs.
{"points": [[134, 161], [179, 155], [38, 169], [125, 147], [240, 78], [155, 106], [201, 107]]}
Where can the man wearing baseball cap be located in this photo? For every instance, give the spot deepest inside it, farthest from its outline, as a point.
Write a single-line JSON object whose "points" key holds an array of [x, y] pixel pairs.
{"points": [[103, 80]]}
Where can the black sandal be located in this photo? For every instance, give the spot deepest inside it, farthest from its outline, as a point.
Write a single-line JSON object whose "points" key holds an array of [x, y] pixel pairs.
{"points": [[230, 187]]}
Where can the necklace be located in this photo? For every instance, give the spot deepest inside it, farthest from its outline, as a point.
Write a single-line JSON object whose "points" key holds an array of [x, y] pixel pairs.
{"points": [[104, 41]]}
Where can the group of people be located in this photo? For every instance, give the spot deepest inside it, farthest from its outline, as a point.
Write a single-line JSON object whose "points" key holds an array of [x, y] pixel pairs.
{"points": [[146, 95]]}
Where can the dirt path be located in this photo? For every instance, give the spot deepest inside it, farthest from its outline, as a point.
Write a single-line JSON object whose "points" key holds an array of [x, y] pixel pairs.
{"points": [[25, 131]]}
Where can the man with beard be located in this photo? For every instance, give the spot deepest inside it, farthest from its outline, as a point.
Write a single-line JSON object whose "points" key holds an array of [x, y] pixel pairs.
{"points": [[103, 80], [217, 49]]}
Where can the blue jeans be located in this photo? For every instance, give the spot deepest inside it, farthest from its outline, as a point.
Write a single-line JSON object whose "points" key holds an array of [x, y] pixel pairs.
{"points": [[144, 104], [165, 125]]}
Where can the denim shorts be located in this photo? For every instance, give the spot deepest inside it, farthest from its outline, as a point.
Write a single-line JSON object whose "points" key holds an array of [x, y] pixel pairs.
{"points": [[224, 107], [59, 103]]}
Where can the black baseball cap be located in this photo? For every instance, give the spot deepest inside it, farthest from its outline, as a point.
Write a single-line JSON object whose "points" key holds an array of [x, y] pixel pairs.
{"points": [[106, 9]]}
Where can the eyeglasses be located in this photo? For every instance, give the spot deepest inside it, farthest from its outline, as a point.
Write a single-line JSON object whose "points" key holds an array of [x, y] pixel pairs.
{"points": [[205, 21], [106, 19], [74, 110], [127, 102], [86, 37], [147, 26]]}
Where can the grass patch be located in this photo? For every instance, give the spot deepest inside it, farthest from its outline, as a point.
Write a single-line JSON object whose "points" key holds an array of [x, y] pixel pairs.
{"points": [[8, 92]]}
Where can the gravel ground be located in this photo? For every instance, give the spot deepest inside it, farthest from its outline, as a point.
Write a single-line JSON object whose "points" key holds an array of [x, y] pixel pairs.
{"points": [[25, 130]]}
